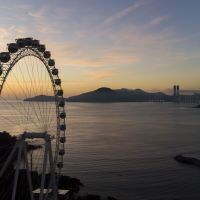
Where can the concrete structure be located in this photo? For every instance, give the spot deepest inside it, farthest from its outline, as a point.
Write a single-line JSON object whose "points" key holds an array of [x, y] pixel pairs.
{"points": [[62, 194], [176, 93]]}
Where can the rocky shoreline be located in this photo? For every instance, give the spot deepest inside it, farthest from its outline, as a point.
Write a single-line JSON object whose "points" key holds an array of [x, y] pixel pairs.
{"points": [[188, 159], [7, 142]]}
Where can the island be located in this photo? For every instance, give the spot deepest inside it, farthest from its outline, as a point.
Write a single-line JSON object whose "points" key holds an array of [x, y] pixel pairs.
{"points": [[41, 98], [108, 95]]}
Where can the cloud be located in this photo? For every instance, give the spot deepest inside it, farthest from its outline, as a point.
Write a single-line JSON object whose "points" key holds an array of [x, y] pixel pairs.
{"points": [[106, 59], [65, 53], [68, 54], [9, 34], [158, 20], [45, 28], [186, 56], [39, 14], [61, 13], [100, 75], [120, 14], [14, 13], [41, 21], [16, 7], [141, 38]]}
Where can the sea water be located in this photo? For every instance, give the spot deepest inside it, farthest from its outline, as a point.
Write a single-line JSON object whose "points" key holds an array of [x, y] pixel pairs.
{"points": [[126, 150]]}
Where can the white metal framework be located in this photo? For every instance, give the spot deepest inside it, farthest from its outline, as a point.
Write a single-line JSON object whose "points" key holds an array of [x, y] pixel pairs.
{"points": [[29, 82]]}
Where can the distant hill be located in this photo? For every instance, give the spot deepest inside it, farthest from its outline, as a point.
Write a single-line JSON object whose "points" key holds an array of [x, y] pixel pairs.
{"points": [[105, 94], [41, 98]]}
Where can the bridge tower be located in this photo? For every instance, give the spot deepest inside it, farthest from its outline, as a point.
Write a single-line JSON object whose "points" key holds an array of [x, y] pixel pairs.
{"points": [[176, 93]]}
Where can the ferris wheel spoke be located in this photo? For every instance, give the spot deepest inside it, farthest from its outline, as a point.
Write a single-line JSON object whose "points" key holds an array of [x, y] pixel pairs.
{"points": [[25, 114], [40, 104], [7, 121], [44, 88], [34, 83], [14, 107], [32, 88], [20, 86], [43, 99], [50, 121], [40, 91], [30, 93], [51, 108], [46, 81], [28, 89]]}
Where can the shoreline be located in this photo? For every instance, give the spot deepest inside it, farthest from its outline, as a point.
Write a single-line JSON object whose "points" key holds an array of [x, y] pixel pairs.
{"points": [[65, 182]]}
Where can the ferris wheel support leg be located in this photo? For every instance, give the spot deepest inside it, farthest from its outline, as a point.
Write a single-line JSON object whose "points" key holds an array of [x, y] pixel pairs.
{"points": [[17, 169], [28, 171], [44, 171], [52, 167], [8, 160]]}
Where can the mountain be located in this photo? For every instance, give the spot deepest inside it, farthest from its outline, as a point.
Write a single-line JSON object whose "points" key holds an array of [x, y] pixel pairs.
{"points": [[41, 98], [105, 94]]}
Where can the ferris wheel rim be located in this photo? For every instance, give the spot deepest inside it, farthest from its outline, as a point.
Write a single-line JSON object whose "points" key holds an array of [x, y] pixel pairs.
{"points": [[30, 50]]}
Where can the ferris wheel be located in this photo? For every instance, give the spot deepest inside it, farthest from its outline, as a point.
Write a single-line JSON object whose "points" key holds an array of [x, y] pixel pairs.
{"points": [[32, 108]]}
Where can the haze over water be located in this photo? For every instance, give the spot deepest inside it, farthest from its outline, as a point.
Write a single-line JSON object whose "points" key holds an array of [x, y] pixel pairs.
{"points": [[126, 150]]}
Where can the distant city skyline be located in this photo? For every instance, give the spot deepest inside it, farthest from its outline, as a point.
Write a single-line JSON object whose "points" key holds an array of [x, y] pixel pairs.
{"points": [[147, 44]]}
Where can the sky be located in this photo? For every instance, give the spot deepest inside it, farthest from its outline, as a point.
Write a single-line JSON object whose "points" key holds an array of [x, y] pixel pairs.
{"points": [[148, 44]]}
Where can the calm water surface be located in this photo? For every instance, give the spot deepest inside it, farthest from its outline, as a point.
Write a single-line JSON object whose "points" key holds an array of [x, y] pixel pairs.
{"points": [[126, 149]]}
